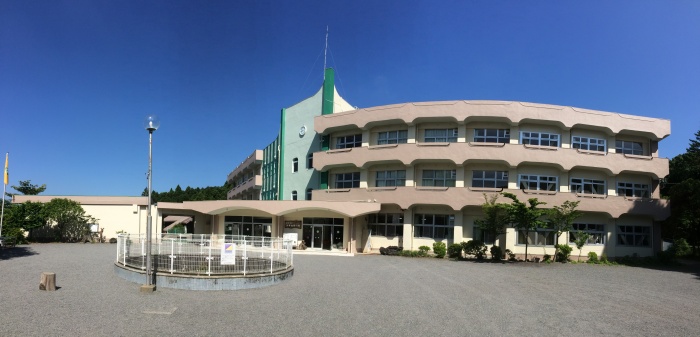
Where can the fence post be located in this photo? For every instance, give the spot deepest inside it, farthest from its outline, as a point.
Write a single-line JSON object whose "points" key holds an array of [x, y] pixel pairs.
{"points": [[172, 256], [245, 257]]}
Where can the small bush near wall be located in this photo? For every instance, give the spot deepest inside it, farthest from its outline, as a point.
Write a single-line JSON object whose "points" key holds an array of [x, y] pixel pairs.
{"points": [[424, 249], [496, 253], [475, 248], [454, 251], [593, 257], [440, 249], [511, 255], [563, 253], [113, 240]]}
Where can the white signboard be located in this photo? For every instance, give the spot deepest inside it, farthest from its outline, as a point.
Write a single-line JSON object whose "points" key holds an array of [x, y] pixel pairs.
{"points": [[290, 239], [228, 253]]}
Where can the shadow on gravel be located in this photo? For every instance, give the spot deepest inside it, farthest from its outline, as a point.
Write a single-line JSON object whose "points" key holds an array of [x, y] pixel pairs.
{"points": [[16, 252]]}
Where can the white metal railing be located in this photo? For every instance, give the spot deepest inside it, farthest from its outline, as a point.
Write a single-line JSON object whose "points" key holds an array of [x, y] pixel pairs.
{"points": [[204, 254]]}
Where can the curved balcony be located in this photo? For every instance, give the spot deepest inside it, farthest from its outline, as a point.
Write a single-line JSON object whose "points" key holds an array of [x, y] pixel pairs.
{"points": [[512, 112], [460, 197], [253, 159], [253, 183], [510, 154]]}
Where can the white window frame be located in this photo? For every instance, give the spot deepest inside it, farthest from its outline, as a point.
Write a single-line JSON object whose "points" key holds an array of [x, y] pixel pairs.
{"points": [[635, 190], [428, 223], [349, 141], [447, 177], [392, 137], [589, 143], [295, 165], [501, 136], [386, 225], [637, 234], [585, 184], [482, 236], [310, 161], [390, 178], [538, 138], [628, 147], [449, 135], [347, 180], [497, 176], [295, 195], [537, 235], [598, 235], [538, 180]]}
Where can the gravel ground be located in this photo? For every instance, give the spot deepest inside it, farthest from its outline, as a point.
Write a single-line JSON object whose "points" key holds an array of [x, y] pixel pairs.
{"points": [[349, 296]]}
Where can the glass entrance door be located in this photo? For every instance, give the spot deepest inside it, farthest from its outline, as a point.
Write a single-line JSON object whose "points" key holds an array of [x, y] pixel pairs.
{"points": [[318, 237]]}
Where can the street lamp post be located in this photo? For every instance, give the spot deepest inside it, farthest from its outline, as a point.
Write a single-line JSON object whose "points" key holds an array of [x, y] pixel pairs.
{"points": [[151, 124]]}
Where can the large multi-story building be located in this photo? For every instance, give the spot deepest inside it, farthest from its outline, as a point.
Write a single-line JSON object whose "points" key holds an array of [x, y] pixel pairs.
{"points": [[429, 164], [341, 178]]}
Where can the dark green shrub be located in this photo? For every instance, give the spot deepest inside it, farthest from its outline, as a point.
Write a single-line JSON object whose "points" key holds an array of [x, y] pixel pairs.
{"points": [[604, 259], [593, 257], [113, 240], [511, 255], [680, 248], [424, 249], [564, 251], [547, 258], [476, 248], [454, 251], [440, 249], [496, 253]]}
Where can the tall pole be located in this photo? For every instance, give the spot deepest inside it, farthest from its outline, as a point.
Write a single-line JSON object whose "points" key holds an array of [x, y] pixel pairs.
{"points": [[4, 187], [152, 123], [149, 271]]}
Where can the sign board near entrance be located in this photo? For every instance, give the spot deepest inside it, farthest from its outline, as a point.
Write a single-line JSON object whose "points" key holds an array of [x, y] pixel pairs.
{"points": [[228, 253], [292, 224]]}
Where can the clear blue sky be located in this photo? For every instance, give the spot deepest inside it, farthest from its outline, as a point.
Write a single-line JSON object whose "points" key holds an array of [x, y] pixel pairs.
{"points": [[78, 77]]}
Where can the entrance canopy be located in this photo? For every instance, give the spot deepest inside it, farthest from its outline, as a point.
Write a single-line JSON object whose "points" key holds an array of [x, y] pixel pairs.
{"points": [[275, 207]]}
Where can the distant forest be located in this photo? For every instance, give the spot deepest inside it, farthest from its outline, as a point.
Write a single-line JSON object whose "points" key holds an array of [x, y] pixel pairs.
{"points": [[190, 194]]}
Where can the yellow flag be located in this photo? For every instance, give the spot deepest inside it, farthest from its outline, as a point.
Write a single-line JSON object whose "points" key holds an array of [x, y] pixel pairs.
{"points": [[7, 158]]}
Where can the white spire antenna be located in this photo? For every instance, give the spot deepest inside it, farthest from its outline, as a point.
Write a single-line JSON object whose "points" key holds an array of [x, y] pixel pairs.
{"points": [[324, 55]]}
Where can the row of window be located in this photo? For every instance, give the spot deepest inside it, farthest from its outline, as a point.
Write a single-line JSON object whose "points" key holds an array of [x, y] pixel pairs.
{"points": [[494, 179], [309, 162], [449, 135], [295, 195], [441, 226]]}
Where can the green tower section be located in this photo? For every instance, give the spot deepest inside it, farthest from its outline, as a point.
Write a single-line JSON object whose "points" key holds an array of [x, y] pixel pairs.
{"points": [[327, 109], [270, 171], [328, 91]]}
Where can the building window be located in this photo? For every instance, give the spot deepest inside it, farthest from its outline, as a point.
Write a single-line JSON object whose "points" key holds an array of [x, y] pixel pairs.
{"points": [[627, 147], [445, 178], [496, 179], [295, 165], [434, 226], [347, 180], [486, 238], [247, 225], [392, 137], [347, 142], [596, 233], [390, 178], [385, 224], [538, 183], [588, 186], [492, 135], [638, 236], [539, 138], [633, 190], [586, 143], [308, 193], [310, 161], [440, 135], [538, 237], [294, 195]]}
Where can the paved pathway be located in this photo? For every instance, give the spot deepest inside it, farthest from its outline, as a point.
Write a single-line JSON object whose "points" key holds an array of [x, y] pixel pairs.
{"points": [[356, 296]]}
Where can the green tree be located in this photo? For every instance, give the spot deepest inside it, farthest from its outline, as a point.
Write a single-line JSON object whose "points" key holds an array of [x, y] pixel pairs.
{"points": [[580, 239], [68, 219], [525, 217], [27, 188], [561, 219], [495, 217], [685, 213]]}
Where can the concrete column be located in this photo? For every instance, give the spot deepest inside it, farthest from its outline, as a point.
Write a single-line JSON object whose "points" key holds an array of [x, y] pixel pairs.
{"points": [[411, 134], [566, 139], [365, 138], [461, 133], [564, 182], [459, 182], [459, 228], [611, 144], [408, 229], [515, 134], [611, 183], [410, 174], [513, 179], [363, 178]]}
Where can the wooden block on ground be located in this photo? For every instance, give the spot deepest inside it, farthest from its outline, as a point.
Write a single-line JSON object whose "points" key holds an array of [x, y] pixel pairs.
{"points": [[48, 281]]}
